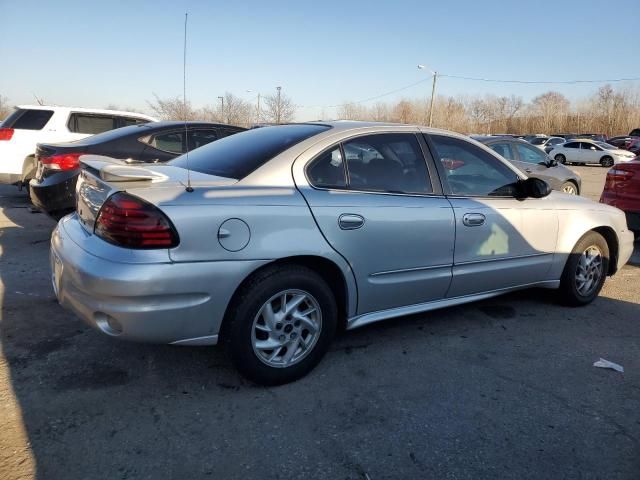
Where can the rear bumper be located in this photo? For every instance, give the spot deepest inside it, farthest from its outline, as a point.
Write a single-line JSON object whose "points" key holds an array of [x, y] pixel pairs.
{"points": [[55, 193], [181, 303]]}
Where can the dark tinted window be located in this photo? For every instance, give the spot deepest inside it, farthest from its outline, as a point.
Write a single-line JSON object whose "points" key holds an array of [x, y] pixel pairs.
{"points": [[390, 162], [530, 154], [328, 170], [127, 121], [238, 155], [538, 141], [588, 146], [556, 141], [472, 171], [91, 124], [503, 149], [28, 119], [201, 137], [171, 142], [571, 145]]}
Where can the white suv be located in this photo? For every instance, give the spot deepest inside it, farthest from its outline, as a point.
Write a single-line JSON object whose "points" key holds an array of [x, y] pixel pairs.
{"points": [[29, 125]]}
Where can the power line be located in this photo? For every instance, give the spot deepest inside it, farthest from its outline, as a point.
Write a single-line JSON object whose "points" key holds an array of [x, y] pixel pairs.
{"points": [[475, 79]]}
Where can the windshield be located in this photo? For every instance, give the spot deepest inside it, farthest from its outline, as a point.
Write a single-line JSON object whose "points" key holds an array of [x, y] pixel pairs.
{"points": [[538, 141], [240, 154], [606, 146]]}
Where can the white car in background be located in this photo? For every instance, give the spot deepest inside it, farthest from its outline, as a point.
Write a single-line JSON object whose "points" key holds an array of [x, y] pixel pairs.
{"points": [[546, 144], [29, 125], [589, 151]]}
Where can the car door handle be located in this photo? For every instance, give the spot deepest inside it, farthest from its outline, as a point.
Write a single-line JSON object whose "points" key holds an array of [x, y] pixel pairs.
{"points": [[473, 219], [528, 170], [350, 221]]}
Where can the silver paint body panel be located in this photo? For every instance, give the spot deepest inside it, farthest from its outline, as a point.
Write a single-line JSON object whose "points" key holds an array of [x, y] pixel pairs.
{"points": [[412, 253]]}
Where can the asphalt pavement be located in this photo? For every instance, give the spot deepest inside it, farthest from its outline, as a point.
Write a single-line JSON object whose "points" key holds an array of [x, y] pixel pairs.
{"points": [[503, 388]]}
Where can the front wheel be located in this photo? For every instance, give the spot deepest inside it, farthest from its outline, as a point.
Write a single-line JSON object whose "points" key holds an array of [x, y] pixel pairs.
{"points": [[569, 188], [606, 161], [281, 324], [585, 271], [560, 158]]}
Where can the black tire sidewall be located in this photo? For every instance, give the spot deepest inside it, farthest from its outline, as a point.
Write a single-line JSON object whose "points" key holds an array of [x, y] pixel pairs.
{"points": [[256, 293], [560, 159], [606, 161], [568, 287]]}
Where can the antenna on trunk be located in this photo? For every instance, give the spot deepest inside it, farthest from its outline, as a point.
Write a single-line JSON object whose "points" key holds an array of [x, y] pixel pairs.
{"points": [[184, 103]]}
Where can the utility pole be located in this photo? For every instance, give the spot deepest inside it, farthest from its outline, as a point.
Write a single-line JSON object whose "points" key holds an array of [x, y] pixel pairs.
{"points": [[433, 95], [258, 110], [278, 109], [222, 110]]}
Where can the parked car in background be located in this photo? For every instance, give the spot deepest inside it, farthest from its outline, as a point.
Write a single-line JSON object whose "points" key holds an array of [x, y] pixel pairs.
{"points": [[291, 231], [597, 137], [535, 163], [635, 132], [29, 125], [53, 188], [622, 190], [589, 151], [566, 136], [546, 144], [621, 142], [634, 146]]}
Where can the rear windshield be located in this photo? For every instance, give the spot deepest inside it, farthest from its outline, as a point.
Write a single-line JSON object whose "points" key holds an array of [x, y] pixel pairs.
{"points": [[239, 155], [25, 119]]}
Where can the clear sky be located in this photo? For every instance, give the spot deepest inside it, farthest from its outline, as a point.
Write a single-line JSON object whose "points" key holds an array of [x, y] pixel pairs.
{"points": [[323, 52]]}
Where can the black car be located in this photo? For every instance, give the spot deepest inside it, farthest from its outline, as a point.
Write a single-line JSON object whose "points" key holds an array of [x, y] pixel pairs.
{"points": [[53, 189], [534, 162]]}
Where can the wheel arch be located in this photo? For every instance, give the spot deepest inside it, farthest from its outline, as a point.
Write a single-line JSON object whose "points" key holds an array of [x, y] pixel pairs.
{"points": [[329, 271], [612, 242]]}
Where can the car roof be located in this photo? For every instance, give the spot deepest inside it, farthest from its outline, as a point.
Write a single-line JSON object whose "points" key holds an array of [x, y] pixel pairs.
{"points": [[86, 110], [491, 139]]}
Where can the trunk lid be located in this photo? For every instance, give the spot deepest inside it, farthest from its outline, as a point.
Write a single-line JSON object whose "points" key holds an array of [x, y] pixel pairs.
{"points": [[100, 177]]}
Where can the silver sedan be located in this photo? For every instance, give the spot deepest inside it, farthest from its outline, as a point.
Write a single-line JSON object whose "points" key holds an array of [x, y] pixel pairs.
{"points": [[272, 239]]}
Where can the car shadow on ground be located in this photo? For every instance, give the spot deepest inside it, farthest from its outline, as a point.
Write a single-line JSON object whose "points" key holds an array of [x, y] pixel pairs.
{"points": [[501, 388]]}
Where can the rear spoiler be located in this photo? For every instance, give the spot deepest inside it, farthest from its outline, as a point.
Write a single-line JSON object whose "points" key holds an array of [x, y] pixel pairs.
{"points": [[114, 170]]}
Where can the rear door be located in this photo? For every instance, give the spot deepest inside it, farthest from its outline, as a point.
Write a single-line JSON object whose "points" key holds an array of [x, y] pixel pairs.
{"points": [[500, 241], [378, 202], [589, 152], [571, 151]]}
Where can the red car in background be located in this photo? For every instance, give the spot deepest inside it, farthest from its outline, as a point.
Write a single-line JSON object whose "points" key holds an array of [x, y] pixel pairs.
{"points": [[622, 190]]}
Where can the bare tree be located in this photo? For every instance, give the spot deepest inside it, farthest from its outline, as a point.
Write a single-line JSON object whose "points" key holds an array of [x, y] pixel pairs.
{"points": [[172, 108], [552, 108], [5, 108], [278, 108]]}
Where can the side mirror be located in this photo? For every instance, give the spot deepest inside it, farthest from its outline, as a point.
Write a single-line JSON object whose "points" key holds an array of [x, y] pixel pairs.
{"points": [[552, 162], [533, 188]]}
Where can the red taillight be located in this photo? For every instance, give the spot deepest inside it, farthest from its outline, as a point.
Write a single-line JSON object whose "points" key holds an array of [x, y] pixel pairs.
{"points": [[618, 175], [130, 222], [6, 133], [65, 161]]}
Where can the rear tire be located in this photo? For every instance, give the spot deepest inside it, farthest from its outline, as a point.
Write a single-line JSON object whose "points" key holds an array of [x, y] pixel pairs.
{"points": [[560, 158], [270, 344], [606, 161], [585, 271]]}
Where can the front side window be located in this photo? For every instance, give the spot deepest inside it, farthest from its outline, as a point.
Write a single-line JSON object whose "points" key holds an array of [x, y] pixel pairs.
{"points": [[471, 171], [530, 155], [588, 146], [571, 145], [171, 142], [91, 124], [503, 149]]}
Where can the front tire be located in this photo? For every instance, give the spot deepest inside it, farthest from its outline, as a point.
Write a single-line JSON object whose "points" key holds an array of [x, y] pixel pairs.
{"points": [[569, 188], [280, 324], [606, 161], [585, 271], [560, 158]]}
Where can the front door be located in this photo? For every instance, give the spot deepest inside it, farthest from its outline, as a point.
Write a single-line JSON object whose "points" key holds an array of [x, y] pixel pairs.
{"points": [[378, 203], [501, 241]]}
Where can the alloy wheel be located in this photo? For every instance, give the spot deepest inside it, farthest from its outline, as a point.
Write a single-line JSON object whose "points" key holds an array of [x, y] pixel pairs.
{"points": [[286, 328], [569, 188], [589, 270]]}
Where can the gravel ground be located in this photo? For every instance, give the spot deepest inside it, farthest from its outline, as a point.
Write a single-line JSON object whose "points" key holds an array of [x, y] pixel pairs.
{"points": [[503, 388]]}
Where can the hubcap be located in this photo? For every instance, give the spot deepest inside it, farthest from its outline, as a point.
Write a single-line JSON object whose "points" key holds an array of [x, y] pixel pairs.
{"points": [[589, 271], [286, 328], [570, 189]]}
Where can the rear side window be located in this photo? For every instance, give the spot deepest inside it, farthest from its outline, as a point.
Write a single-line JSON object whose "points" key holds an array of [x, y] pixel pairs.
{"points": [[171, 142], [91, 124], [503, 149], [128, 121], [25, 119], [238, 155]]}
